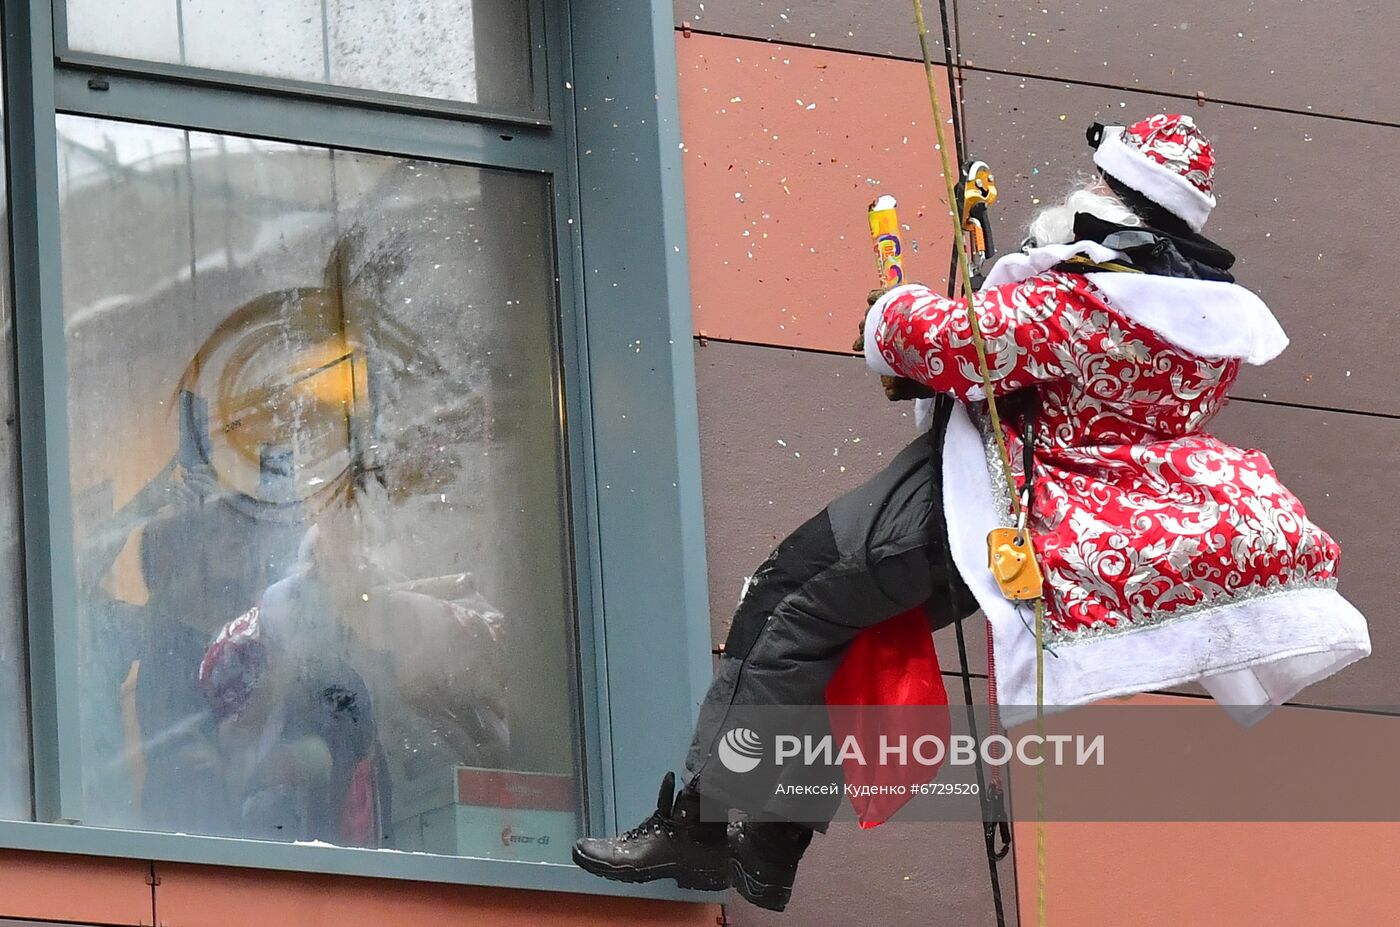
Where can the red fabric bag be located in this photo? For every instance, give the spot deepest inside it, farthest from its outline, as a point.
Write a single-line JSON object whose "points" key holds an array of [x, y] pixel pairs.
{"points": [[892, 669]]}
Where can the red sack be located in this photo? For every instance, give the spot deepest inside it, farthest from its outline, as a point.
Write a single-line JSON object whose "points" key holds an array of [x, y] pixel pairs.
{"points": [[892, 668]]}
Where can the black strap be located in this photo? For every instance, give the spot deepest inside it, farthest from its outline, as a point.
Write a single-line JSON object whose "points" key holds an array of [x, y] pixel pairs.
{"points": [[996, 821], [942, 411], [1028, 452], [1028, 447]]}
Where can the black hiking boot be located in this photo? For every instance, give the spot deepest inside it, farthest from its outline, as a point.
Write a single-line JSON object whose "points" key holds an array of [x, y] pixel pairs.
{"points": [[671, 844], [763, 860]]}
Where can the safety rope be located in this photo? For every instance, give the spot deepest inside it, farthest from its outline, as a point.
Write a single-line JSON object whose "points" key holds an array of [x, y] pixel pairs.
{"points": [[994, 725], [964, 270], [983, 786], [995, 814], [1003, 454]]}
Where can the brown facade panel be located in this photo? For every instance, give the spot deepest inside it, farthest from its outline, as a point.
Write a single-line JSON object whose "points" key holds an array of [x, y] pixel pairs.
{"points": [[913, 872], [782, 433], [1338, 464], [870, 26], [902, 873], [1302, 56], [1311, 256], [785, 148]]}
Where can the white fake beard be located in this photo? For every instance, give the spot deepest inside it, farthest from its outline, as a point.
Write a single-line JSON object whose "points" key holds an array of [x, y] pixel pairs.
{"points": [[1054, 225]]}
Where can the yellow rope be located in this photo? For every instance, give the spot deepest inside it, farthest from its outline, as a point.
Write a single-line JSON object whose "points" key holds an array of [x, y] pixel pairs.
{"points": [[1040, 767], [963, 268], [1005, 456]]}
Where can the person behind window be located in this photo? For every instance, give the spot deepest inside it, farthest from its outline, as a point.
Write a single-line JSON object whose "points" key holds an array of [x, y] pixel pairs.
{"points": [[298, 682], [296, 730], [344, 647], [202, 557]]}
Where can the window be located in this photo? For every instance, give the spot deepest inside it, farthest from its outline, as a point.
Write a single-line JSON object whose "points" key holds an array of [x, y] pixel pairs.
{"points": [[354, 486], [459, 51], [321, 385]]}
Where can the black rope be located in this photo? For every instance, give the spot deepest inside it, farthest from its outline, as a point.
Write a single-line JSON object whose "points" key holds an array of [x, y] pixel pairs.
{"points": [[958, 145], [988, 827], [993, 806]]}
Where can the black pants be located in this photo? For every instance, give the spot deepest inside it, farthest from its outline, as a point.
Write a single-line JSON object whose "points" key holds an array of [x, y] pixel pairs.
{"points": [[874, 553]]}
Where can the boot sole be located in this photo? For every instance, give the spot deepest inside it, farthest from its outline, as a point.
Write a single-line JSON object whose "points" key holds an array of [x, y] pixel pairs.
{"points": [[762, 894], [697, 880]]}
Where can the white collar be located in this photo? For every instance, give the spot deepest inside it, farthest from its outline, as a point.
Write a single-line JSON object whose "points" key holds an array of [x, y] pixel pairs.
{"points": [[1210, 318]]}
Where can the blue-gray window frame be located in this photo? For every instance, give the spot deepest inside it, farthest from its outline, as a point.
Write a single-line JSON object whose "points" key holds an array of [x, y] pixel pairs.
{"points": [[536, 112], [611, 149]]}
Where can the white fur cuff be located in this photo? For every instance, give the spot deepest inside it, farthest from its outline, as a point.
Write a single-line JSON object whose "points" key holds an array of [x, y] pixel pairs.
{"points": [[872, 325]]}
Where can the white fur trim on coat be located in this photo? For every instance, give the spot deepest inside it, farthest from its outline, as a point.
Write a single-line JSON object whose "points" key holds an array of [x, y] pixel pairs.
{"points": [[1206, 317], [1251, 654], [1020, 265], [1159, 184]]}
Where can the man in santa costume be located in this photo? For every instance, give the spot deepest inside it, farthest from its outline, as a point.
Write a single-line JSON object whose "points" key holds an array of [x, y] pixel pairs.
{"points": [[1169, 556]]}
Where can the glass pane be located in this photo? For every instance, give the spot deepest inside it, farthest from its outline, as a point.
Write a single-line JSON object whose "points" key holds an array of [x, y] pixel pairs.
{"points": [[15, 790], [321, 504], [466, 51]]}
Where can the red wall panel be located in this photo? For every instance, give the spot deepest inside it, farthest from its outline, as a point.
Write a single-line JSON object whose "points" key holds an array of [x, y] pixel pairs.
{"points": [[785, 147], [50, 886], [196, 896]]}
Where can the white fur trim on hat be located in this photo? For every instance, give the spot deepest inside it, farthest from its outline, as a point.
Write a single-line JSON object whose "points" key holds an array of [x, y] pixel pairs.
{"points": [[1159, 184]]}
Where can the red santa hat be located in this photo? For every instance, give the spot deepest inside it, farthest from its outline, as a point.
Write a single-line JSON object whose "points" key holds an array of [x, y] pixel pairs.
{"points": [[1166, 159]]}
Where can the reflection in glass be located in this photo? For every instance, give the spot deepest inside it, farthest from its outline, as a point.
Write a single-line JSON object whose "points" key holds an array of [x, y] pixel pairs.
{"points": [[15, 788], [466, 51], [319, 494]]}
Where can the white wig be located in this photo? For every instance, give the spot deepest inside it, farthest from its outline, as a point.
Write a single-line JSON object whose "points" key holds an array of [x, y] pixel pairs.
{"points": [[1054, 225]]}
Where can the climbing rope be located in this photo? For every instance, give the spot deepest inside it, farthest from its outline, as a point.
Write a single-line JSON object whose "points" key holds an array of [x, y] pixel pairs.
{"points": [[1004, 455]]}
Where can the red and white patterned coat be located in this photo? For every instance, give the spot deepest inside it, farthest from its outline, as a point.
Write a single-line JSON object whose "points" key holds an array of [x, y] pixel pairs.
{"points": [[1168, 554]]}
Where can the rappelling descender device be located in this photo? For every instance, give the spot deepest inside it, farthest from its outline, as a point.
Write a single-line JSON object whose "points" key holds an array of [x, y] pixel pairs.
{"points": [[976, 193], [1010, 554]]}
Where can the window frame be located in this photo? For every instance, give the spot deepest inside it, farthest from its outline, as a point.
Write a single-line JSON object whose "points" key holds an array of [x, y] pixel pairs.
{"points": [[629, 408], [536, 112]]}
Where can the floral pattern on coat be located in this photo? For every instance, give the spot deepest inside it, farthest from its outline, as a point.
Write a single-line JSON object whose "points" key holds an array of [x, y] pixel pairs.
{"points": [[1138, 514]]}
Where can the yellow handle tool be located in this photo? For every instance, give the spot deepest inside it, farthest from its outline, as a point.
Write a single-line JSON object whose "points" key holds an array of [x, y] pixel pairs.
{"points": [[889, 247]]}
